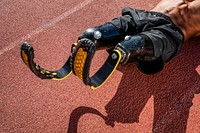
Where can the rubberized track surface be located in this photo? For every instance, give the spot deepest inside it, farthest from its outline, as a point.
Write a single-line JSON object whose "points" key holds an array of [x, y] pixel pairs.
{"points": [[165, 102]]}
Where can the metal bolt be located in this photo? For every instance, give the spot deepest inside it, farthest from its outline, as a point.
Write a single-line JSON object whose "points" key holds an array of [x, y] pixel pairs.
{"points": [[114, 56], [97, 34], [127, 37]]}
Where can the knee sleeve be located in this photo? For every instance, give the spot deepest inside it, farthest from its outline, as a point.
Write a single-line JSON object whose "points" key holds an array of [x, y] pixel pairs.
{"points": [[164, 35], [134, 48], [166, 44]]}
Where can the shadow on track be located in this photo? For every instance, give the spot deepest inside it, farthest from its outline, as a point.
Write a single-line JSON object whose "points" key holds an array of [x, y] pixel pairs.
{"points": [[173, 90]]}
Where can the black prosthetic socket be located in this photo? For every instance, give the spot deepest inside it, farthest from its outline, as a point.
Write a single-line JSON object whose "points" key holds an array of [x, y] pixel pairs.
{"points": [[150, 67], [105, 36], [135, 48]]}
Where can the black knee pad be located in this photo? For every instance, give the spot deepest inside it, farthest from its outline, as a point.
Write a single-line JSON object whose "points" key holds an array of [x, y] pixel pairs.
{"points": [[150, 67]]}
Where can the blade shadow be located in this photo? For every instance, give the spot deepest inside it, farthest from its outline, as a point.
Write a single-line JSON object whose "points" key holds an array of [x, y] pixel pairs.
{"points": [[173, 90]]}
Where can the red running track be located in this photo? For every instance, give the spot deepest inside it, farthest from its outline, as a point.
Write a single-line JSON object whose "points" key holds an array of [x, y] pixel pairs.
{"points": [[134, 102]]}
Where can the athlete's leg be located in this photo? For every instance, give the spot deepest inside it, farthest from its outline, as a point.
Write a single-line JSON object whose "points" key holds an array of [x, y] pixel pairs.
{"points": [[151, 49], [109, 34], [153, 36]]}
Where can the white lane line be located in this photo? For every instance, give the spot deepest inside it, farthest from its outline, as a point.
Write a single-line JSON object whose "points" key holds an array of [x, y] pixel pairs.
{"points": [[45, 26]]}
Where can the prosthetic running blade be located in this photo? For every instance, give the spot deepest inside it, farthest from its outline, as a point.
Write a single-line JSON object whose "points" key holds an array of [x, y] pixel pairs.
{"points": [[79, 64], [82, 62], [27, 55]]}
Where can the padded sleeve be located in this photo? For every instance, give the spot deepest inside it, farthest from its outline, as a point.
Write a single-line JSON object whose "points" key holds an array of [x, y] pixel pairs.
{"points": [[166, 37]]}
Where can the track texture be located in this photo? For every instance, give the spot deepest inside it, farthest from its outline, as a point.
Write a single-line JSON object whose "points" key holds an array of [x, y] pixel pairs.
{"points": [[168, 102]]}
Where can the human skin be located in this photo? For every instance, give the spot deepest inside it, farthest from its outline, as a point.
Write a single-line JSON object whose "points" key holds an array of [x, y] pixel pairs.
{"points": [[184, 13]]}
